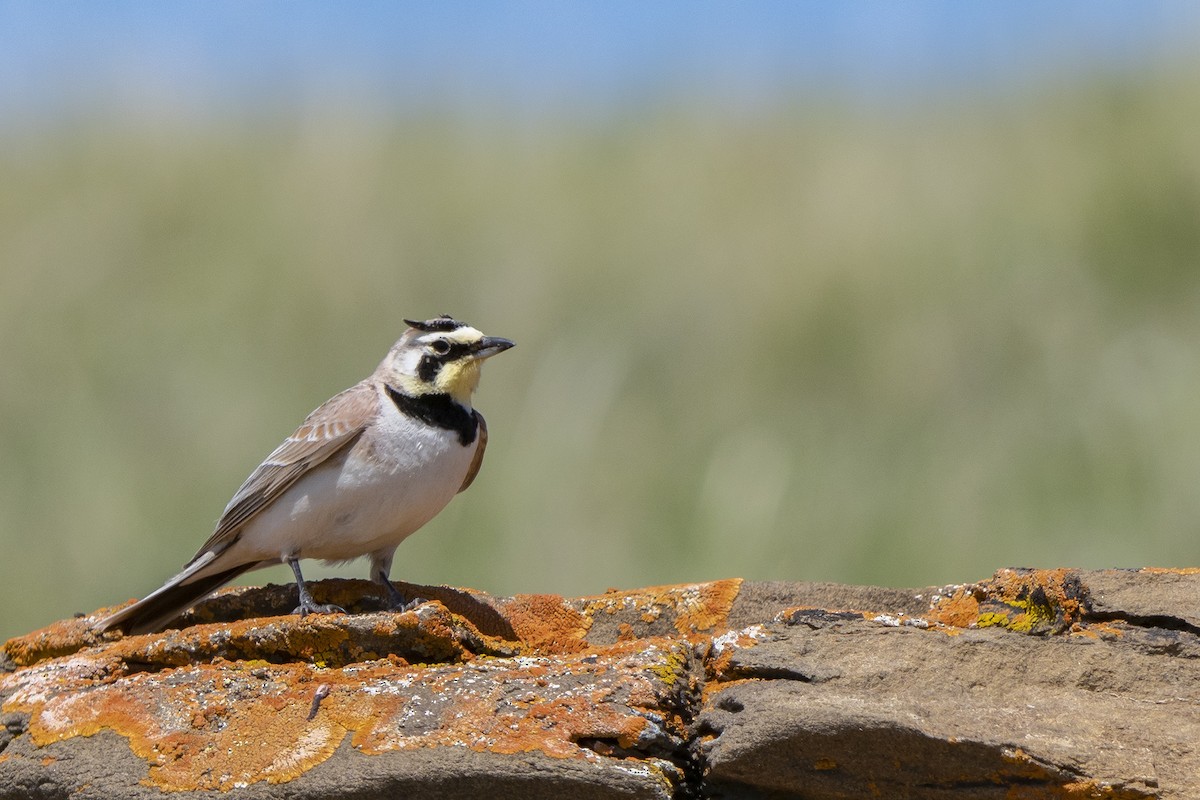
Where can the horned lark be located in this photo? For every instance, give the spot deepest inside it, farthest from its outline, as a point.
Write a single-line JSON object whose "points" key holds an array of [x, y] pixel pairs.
{"points": [[365, 470]]}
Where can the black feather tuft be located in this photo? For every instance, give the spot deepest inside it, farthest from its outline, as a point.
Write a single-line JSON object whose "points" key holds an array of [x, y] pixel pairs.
{"points": [[445, 323]]}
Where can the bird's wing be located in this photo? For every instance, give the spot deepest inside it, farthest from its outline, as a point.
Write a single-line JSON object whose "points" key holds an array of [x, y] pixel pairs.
{"points": [[333, 426], [477, 460]]}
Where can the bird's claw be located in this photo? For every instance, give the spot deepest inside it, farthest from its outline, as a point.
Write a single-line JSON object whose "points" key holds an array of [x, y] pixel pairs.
{"points": [[401, 606], [304, 609], [396, 600]]}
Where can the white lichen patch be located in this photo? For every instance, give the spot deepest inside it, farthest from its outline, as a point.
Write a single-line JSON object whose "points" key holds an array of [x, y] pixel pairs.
{"points": [[40, 682], [313, 746], [746, 637], [900, 620]]}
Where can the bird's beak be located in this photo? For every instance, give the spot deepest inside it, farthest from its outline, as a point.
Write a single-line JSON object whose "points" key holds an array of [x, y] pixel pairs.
{"points": [[489, 346]]}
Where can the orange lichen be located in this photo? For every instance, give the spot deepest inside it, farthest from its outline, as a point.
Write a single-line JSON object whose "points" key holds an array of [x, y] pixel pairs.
{"points": [[691, 608], [429, 631], [218, 725], [546, 622], [704, 606], [1086, 790], [1059, 590], [959, 610], [1019, 600], [58, 639], [194, 725]]}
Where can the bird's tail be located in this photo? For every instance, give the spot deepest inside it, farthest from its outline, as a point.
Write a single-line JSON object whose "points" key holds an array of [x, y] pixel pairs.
{"points": [[156, 609]]}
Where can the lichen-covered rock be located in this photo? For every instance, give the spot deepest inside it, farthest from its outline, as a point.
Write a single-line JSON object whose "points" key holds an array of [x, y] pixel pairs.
{"points": [[1050, 683], [527, 709]]}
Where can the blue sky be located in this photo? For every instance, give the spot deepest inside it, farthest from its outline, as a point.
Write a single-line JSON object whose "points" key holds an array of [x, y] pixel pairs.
{"points": [[546, 54]]}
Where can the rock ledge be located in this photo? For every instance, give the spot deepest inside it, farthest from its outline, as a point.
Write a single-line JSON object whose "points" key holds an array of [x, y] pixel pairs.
{"points": [[1034, 683]]}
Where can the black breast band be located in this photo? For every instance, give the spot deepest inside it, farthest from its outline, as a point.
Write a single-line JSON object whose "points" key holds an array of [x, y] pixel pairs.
{"points": [[439, 410]]}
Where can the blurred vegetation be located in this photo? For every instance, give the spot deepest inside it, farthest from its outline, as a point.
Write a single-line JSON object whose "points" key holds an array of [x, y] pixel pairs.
{"points": [[804, 341]]}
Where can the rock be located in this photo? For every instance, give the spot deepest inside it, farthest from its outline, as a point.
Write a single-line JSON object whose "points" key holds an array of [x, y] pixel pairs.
{"points": [[1034, 683]]}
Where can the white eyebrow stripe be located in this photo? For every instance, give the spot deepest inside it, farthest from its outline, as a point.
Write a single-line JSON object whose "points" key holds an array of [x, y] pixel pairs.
{"points": [[464, 335]]}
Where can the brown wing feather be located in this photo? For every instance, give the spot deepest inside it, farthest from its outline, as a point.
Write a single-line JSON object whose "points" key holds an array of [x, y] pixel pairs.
{"points": [[333, 426], [477, 460]]}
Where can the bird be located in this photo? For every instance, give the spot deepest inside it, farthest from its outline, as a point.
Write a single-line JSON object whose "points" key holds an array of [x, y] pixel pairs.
{"points": [[363, 471]]}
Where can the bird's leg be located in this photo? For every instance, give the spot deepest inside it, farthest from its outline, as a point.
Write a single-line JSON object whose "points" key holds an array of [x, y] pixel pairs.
{"points": [[307, 605], [381, 565], [396, 599]]}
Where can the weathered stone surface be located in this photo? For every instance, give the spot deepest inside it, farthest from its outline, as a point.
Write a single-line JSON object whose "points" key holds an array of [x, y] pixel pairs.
{"points": [[1047, 683], [102, 766]]}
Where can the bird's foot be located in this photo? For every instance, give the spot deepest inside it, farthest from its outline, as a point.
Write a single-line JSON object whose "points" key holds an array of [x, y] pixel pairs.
{"points": [[304, 609], [397, 601], [402, 606], [307, 604]]}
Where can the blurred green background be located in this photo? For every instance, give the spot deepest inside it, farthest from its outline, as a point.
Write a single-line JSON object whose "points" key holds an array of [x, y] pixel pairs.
{"points": [[807, 337]]}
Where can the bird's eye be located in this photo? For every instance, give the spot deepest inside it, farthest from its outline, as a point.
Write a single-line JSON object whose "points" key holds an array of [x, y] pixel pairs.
{"points": [[440, 346]]}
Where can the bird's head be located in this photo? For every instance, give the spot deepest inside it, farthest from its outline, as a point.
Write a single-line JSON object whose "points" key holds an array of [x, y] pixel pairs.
{"points": [[440, 356]]}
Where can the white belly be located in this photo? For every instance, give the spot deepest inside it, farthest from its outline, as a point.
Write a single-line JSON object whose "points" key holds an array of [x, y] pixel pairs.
{"points": [[368, 498]]}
